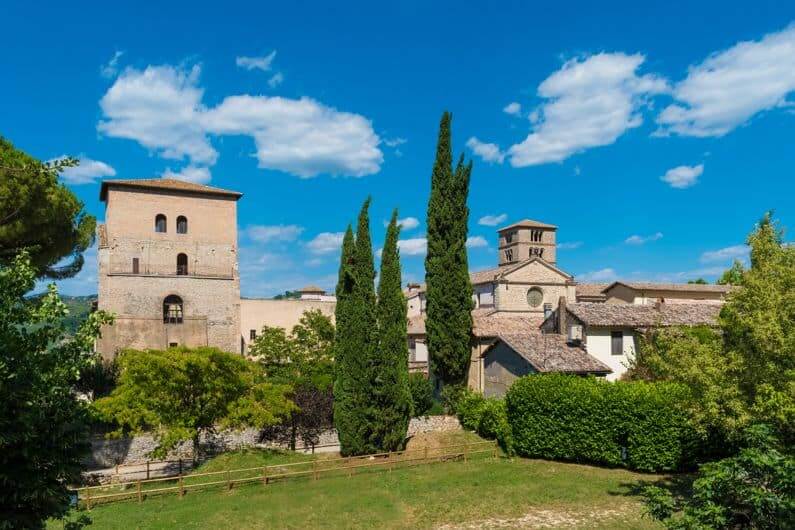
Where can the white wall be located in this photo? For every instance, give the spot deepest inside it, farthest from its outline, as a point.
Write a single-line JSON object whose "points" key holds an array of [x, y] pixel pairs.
{"points": [[598, 346], [420, 351]]}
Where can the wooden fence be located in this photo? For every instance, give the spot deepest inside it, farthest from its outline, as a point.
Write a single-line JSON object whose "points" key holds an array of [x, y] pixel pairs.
{"points": [[181, 484]]}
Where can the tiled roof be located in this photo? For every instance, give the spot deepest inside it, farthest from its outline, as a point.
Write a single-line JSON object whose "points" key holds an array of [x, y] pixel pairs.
{"points": [[640, 316], [312, 289], [527, 223], [682, 287], [164, 184], [493, 274], [591, 290], [485, 323], [550, 352]]}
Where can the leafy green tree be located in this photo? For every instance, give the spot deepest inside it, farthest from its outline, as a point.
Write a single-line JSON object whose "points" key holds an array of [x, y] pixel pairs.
{"points": [[288, 295], [733, 275], [41, 215], [391, 371], [43, 424], [180, 393], [449, 291], [698, 281]]}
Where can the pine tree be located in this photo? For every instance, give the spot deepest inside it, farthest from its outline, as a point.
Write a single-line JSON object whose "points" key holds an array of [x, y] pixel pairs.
{"points": [[449, 291], [391, 386]]}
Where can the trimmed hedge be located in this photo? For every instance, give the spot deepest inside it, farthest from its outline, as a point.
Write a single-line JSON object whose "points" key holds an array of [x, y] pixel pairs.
{"points": [[638, 425], [487, 417]]}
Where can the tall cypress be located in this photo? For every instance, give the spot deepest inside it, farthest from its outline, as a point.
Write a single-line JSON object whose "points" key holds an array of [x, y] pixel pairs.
{"points": [[391, 373], [449, 291]]}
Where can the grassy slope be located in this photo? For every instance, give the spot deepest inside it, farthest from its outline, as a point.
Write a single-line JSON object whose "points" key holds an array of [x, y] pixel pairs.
{"points": [[418, 497]]}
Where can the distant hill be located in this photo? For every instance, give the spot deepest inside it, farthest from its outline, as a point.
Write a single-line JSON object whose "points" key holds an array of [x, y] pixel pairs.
{"points": [[79, 308]]}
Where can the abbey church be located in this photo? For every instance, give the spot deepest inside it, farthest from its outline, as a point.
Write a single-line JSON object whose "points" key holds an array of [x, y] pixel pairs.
{"points": [[168, 270]]}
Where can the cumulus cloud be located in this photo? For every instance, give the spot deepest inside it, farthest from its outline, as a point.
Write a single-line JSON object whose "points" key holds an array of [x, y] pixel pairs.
{"points": [[640, 240], [413, 247], [256, 63], [326, 242], [728, 88], [276, 80], [683, 176], [407, 223], [477, 242], [161, 108], [571, 245], [589, 102], [514, 109], [492, 220], [269, 233], [487, 152], [601, 275], [87, 172], [394, 142], [109, 69], [725, 254], [197, 174]]}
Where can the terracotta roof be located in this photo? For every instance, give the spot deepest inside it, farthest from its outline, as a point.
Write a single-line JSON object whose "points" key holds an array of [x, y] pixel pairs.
{"points": [[682, 287], [641, 316], [485, 323], [164, 184], [527, 223], [312, 289], [591, 290], [550, 352], [496, 273]]}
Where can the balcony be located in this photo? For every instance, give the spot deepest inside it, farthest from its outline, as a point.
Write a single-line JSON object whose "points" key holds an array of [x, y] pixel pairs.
{"points": [[173, 271]]}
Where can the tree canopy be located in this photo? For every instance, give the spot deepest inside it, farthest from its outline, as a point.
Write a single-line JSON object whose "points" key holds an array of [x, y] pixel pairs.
{"points": [[41, 215]]}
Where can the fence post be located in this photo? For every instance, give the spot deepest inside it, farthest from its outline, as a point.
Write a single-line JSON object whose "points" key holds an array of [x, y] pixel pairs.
{"points": [[181, 486], [494, 452], [314, 469], [140, 495], [466, 448], [264, 476], [229, 479], [180, 466], [88, 498], [147, 470]]}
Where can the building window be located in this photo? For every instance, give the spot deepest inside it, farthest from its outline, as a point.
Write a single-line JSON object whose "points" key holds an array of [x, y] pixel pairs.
{"points": [[135, 266], [509, 255], [182, 264], [509, 237], [617, 343], [173, 344], [172, 309], [252, 334], [182, 224], [160, 223], [535, 297], [547, 310]]}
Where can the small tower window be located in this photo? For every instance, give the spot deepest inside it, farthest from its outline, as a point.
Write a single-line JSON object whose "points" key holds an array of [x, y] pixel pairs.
{"points": [[160, 223], [172, 309], [135, 266], [182, 224], [182, 264], [509, 255]]}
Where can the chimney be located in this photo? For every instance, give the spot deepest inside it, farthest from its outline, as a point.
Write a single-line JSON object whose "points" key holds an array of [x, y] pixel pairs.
{"points": [[562, 324]]}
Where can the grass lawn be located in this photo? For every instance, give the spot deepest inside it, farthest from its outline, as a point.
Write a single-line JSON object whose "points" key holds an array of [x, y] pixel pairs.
{"points": [[480, 493]]}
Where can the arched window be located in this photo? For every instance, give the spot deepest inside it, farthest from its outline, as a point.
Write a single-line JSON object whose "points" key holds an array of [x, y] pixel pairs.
{"points": [[172, 309], [182, 264], [160, 223], [182, 224]]}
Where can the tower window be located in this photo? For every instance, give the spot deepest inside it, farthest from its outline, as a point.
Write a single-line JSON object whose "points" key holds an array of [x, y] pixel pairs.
{"points": [[252, 334], [182, 264], [160, 223], [172, 309], [135, 265], [182, 224], [509, 255]]}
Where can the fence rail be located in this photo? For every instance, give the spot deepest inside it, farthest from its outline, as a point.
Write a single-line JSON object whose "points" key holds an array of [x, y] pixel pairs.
{"points": [[140, 489]]}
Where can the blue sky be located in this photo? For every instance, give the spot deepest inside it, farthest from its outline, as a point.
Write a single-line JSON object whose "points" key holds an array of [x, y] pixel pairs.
{"points": [[653, 136]]}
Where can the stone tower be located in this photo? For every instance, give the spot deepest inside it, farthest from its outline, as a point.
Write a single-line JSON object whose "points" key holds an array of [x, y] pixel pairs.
{"points": [[526, 239], [168, 265]]}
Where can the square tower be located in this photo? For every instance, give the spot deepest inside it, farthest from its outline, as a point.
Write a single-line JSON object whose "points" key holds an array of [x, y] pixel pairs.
{"points": [[168, 265], [526, 239]]}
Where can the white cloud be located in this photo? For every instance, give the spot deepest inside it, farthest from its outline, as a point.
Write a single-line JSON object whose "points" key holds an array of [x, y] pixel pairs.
{"points": [[729, 88], [268, 233], [601, 275], [683, 176], [256, 63], [488, 152], [326, 242], [477, 242], [413, 247], [394, 142], [87, 172], [514, 109], [197, 174], [161, 108], [725, 254], [571, 245], [407, 223], [590, 102], [110, 69], [276, 80], [639, 240], [492, 220]]}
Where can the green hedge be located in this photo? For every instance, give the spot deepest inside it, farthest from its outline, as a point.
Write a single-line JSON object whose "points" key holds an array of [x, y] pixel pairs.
{"points": [[639, 425], [487, 417]]}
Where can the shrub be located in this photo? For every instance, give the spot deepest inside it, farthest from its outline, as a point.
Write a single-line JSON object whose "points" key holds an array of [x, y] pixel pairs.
{"points": [[494, 424], [450, 395], [421, 393], [638, 425], [469, 408]]}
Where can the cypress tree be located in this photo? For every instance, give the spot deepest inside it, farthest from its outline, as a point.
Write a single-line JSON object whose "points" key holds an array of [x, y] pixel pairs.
{"points": [[449, 291], [391, 383]]}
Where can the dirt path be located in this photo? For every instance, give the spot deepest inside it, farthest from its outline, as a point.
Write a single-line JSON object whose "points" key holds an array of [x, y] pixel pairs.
{"points": [[545, 519]]}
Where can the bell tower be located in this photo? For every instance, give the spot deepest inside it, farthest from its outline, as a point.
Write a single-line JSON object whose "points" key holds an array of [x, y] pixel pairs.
{"points": [[526, 239]]}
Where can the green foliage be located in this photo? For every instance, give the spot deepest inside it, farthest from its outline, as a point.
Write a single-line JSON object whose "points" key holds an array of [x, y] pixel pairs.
{"points": [[99, 379], [469, 408], [449, 291], [43, 424], [733, 275], [754, 489], [179, 393], [421, 390], [643, 426], [288, 295], [698, 281], [451, 395], [487, 417], [41, 215]]}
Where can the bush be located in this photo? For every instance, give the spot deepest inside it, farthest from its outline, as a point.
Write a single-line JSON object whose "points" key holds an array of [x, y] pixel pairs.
{"points": [[487, 417], [421, 390], [450, 395], [469, 409], [638, 425]]}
